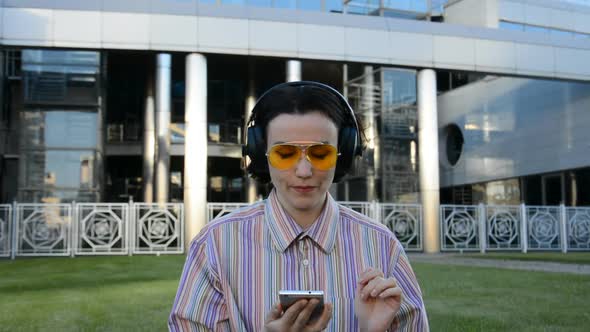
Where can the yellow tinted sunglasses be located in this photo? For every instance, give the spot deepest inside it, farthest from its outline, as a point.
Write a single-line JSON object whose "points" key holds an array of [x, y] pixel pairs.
{"points": [[284, 156]]}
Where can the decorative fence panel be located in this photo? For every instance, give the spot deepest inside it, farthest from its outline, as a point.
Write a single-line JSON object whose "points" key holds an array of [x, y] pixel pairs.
{"points": [[578, 228], [544, 228], [217, 210], [405, 221], [504, 227], [43, 229], [140, 228], [5, 230], [158, 228], [101, 229], [460, 227]]}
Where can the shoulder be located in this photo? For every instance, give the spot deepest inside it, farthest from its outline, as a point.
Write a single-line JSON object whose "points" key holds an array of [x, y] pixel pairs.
{"points": [[352, 218]]}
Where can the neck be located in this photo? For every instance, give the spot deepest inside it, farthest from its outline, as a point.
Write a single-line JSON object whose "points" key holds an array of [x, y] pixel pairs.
{"points": [[304, 218]]}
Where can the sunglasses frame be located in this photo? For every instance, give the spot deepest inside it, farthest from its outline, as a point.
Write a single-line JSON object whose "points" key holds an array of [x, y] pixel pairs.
{"points": [[304, 148]]}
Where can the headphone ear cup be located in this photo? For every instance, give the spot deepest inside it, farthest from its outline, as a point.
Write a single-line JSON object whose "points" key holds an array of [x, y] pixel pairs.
{"points": [[347, 147], [256, 151]]}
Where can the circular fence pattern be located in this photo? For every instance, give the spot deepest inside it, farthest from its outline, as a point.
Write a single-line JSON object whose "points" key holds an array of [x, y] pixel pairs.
{"points": [[158, 228], [43, 230], [503, 227], [461, 228], [102, 229], [580, 229], [403, 224], [544, 227]]}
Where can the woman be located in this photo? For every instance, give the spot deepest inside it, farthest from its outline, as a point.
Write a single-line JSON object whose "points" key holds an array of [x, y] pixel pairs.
{"points": [[302, 137]]}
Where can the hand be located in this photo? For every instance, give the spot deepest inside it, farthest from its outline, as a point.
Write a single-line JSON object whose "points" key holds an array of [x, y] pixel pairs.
{"points": [[296, 318], [377, 300]]}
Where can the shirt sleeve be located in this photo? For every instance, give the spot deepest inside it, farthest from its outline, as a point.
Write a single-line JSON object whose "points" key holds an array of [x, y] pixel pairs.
{"points": [[199, 303], [412, 313]]}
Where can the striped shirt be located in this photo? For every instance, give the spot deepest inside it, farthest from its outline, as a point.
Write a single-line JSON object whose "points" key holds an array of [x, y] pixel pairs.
{"points": [[239, 262]]}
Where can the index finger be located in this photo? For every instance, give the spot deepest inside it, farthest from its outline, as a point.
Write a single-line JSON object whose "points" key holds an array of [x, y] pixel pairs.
{"points": [[293, 311], [368, 275]]}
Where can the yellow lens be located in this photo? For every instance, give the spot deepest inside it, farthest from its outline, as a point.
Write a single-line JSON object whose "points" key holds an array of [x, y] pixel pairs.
{"points": [[284, 156], [322, 156]]}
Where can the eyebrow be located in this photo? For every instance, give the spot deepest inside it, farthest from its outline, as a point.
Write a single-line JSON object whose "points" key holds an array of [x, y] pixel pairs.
{"points": [[282, 142]]}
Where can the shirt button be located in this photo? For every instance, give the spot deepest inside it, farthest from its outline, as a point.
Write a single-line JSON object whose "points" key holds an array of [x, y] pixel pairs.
{"points": [[305, 262]]}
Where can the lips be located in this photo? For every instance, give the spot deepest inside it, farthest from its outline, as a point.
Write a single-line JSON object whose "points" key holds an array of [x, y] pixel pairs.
{"points": [[303, 189]]}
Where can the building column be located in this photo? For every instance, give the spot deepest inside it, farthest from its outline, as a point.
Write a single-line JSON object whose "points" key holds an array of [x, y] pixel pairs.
{"points": [[149, 142], [251, 190], [163, 103], [428, 159], [368, 106], [293, 70], [195, 146]]}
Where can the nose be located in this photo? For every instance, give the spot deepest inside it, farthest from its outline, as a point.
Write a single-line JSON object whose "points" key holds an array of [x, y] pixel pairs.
{"points": [[303, 167]]}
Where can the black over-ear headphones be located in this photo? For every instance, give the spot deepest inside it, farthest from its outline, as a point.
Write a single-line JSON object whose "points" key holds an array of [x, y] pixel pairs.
{"points": [[349, 137]]}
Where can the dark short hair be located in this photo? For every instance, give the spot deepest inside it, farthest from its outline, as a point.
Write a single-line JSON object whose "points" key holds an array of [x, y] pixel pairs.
{"points": [[301, 100]]}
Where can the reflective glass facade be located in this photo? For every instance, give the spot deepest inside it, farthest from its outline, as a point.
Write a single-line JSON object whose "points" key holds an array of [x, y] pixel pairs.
{"points": [[60, 127]]}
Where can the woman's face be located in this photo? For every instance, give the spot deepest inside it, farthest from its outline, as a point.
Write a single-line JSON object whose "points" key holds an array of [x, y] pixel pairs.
{"points": [[302, 188]]}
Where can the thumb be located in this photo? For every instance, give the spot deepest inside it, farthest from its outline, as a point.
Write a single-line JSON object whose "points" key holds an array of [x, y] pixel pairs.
{"points": [[274, 314]]}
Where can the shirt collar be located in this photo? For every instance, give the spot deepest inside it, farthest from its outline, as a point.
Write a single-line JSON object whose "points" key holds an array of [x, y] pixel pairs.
{"points": [[284, 230]]}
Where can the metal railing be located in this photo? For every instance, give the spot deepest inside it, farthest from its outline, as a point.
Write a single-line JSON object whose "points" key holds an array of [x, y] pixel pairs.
{"points": [[519, 227], [79, 229]]}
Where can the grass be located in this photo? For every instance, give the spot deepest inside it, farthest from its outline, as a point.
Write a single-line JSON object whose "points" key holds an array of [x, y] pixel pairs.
{"points": [[557, 257], [136, 293]]}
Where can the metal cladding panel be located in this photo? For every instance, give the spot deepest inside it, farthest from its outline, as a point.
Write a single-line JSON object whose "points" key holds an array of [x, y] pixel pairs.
{"points": [[511, 11], [174, 7], [223, 35], [37, 22], [537, 15], [572, 62], [87, 25], [495, 55], [127, 6], [535, 60], [244, 30], [515, 127], [173, 30], [273, 38], [421, 53], [582, 22], [320, 39], [125, 30], [367, 45], [454, 52]]}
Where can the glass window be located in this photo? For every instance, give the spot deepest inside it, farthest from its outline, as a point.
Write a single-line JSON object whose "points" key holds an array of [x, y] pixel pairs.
{"points": [[233, 2], [579, 35], [315, 5], [64, 77], [511, 26], [59, 129], [58, 168], [290, 4], [561, 33], [334, 6], [534, 28], [260, 3]]}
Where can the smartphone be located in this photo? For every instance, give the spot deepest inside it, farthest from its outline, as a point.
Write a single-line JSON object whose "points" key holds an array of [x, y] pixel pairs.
{"points": [[288, 297]]}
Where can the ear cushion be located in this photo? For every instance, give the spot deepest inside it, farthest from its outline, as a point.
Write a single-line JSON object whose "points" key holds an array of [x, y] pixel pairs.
{"points": [[347, 146], [256, 151]]}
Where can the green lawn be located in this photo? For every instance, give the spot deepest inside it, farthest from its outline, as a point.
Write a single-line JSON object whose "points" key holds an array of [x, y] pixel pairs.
{"points": [[135, 294], [570, 257]]}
